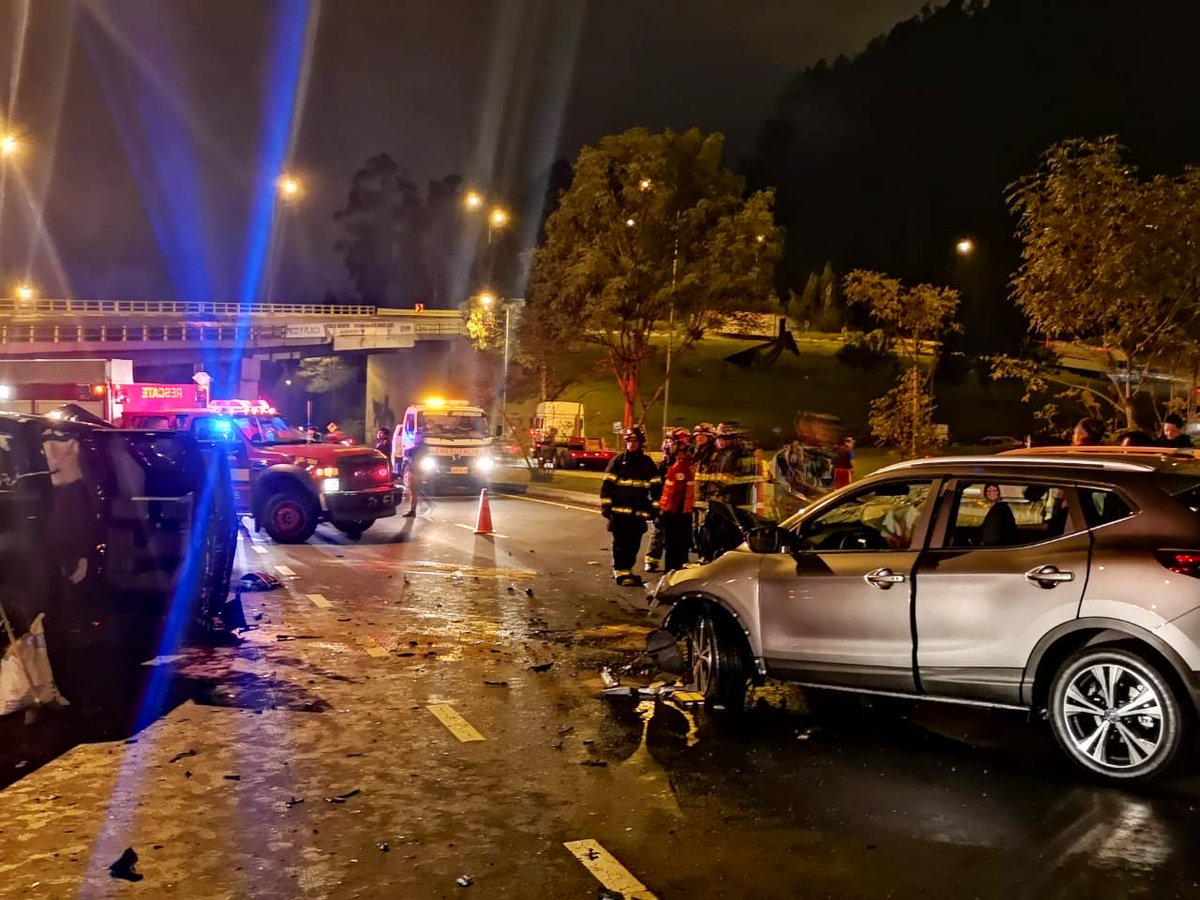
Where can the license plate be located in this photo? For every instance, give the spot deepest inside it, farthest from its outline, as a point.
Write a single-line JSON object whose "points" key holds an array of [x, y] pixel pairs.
{"points": [[458, 470]]}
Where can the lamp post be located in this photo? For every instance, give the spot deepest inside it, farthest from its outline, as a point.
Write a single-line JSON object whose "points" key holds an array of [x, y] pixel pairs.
{"points": [[488, 300]]}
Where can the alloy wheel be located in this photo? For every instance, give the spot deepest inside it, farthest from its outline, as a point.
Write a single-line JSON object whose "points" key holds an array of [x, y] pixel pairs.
{"points": [[1113, 715]]}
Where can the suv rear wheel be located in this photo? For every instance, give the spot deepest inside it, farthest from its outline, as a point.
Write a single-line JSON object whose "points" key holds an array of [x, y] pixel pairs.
{"points": [[289, 516], [1115, 715]]}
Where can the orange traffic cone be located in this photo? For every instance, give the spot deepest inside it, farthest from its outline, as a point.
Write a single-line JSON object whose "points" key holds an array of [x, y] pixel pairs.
{"points": [[483, 522]]}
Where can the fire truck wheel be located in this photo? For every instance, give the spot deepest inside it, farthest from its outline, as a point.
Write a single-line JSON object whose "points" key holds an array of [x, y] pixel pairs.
{"points": [[353, 530], [289, 517]]}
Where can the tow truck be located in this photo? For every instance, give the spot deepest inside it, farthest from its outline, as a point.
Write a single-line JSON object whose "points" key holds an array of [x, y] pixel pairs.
{"points": [[444, 441], [286, 481]]}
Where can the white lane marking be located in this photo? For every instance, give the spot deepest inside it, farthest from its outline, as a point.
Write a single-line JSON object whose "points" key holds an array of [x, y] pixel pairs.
{"points": [[258, 549], [285, 570], [588, 509], [610, 873], [472, 528], [320, 601]]}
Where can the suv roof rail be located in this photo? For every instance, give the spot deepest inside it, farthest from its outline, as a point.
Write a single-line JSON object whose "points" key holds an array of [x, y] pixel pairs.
{"points": [[1113, 465]]}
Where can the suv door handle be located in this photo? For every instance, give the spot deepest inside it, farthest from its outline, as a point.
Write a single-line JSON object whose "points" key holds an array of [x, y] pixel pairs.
{"points": [[1048, 576], [883, 578]]}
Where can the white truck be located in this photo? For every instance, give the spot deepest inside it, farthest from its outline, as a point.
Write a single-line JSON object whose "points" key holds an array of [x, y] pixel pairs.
{"points": [[443, 441]]}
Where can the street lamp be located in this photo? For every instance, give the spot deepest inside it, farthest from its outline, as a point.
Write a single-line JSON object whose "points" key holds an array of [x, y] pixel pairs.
{"points": [[24, 291], [497, 218], [10, 145], [473, 200], [964, 247], [289, 187]]}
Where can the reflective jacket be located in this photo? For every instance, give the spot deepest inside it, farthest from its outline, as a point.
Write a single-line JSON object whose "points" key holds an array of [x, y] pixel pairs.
{"points": [[679, 488], [631, 486]]}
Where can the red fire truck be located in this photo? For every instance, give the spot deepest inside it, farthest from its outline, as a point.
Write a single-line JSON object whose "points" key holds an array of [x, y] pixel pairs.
{"points": [[288, 482]]}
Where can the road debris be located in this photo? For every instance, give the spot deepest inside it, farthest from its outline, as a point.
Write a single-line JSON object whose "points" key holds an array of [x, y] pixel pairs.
{"points": [[495, 683], [383, 846], [342, 798], [464, 881], [528, 592], [233, 777], [541, 667], [184, 755], [595, 763], [125, 867], [255, 582], [293, 801]]}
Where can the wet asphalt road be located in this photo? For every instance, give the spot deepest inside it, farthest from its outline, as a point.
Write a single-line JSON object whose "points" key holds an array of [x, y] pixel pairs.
{"points": [[242, 782]]}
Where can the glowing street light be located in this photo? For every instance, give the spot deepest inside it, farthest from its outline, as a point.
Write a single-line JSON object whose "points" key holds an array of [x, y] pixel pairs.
{"points": [[630, 222], [487, 298], [473, 200], [10, 146], [24, 291], [290, 187], [964, 247], [498, 218], [645, 184]]}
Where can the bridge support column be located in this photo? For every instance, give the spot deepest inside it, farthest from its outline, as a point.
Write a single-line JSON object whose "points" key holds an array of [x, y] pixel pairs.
{"points": [[249, 378]]}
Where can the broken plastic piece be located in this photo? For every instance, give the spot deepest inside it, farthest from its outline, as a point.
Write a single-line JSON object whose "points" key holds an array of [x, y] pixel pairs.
{"points": [[464, 881], [259, 581], [541, 667], [126, 866], [610, 680]]}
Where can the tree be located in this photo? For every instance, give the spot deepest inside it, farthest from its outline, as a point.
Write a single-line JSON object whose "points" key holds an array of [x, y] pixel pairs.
{"points": [[400, 248], [914, 321], [903, 417], [325, 374], [652, 227], [1107, 259]]}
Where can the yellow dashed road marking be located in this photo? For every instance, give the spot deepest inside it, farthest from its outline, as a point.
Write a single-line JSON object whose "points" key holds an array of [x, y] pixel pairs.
{"points": [[285, 570], [319, 600], [457, 725], [373, 648], [610, 873]]}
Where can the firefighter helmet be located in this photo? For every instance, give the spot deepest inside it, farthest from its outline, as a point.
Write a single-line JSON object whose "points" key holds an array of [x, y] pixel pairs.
{"points": [[634, 432]]}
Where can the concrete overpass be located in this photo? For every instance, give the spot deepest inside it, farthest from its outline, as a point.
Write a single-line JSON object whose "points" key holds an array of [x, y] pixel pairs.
{"points": [[167, 332]]}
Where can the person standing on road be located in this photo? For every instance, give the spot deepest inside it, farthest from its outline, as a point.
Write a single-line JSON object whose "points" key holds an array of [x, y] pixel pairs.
{"points": [[1087, 433], [675, 505], [383, 442], [843, 462], [654, 553], [1173, 434], [629, 497]]}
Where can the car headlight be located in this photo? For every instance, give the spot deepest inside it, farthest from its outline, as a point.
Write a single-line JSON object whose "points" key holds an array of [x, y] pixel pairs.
{"points": [[331, 485], [485, 464], [427, 464]]}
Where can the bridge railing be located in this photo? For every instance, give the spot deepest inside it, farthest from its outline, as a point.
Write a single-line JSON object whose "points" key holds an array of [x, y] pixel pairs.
{"points": [[46, 307], [218, 332]]}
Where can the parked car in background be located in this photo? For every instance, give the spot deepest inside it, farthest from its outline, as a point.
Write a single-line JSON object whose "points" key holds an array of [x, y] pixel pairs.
{"points": [[1061, 583]]}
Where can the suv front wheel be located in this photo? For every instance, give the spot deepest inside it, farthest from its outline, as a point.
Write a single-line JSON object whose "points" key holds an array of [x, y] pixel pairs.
{"points": [[1115, 715]]}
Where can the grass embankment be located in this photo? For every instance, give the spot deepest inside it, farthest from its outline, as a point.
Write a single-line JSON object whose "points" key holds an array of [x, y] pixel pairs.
{"points": [[704, 388]]}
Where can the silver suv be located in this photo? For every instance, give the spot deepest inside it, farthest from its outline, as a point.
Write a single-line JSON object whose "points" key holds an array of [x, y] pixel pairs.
{"points": [[1064, 583]]}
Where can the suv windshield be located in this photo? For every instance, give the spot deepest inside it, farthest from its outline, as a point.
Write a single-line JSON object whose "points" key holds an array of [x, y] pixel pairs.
{"points": [[269, 430], [456, 425]]}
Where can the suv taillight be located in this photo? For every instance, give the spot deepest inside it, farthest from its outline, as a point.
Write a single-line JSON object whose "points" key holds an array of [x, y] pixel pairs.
{"points": [[1181, 562]]}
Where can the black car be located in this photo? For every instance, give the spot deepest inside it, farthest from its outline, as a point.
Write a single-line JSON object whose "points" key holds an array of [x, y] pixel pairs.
{"points": [[122, 538]]}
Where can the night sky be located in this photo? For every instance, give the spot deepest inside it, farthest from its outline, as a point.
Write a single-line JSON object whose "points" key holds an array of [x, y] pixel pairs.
{"points": [[151, 128]]}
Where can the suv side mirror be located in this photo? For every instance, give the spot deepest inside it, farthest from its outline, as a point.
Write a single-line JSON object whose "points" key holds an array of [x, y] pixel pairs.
{"points": [[764, 539]]}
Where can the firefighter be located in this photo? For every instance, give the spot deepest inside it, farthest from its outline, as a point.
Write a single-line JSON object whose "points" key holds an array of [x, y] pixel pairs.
{"points": [[677, 501], [654, 553], [629, 500], [729, 487]]}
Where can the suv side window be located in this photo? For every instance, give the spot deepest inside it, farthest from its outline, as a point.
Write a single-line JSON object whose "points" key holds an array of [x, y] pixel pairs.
{"points": [[1008, 514], [1101, 506], [882, 518]]}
